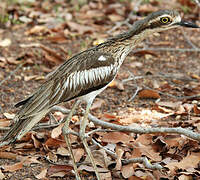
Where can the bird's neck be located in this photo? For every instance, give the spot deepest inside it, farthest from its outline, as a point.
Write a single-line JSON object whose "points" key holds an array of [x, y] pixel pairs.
{"points": [[121, 45]]}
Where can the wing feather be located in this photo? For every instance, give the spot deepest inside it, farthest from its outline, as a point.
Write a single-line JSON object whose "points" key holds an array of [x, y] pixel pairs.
{"points": [[78, 76]]}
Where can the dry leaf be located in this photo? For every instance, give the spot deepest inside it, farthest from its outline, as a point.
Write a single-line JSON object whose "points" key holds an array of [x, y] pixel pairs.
{"points": [[101, 158], [12, 60], [24, 145], [97, 104], [119, 152], [147, 93], [2, 176], [149, 152], [116, 137], [58, 174], [196, 109], [147, 8], [59, 38], [110, 116], [9, 115], [52, 55], [115, 17], [36, 143], [162, 109], [56, 132], [2, 59], [191, 160], [51, 142], [30, 160], [59, 168], [78, 154], [81, 29], [37, 30], [117, 84], [52, 157], [62, 151], [4, 123], [13, 167], [106, 176], [5, 42], [127, 170], [7, 155], [145, 115], [169, 104], [42, 174]]}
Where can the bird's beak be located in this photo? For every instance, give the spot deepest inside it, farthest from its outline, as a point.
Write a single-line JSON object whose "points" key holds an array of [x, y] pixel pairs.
{"points": [[187, 24]]}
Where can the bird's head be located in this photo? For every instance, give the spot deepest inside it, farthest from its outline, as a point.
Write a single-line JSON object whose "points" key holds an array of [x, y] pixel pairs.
{"points": [[165, 19], [155, 22]]}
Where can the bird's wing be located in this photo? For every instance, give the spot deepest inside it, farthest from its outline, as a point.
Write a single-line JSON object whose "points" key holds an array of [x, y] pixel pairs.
{"points": [[80, 75]]}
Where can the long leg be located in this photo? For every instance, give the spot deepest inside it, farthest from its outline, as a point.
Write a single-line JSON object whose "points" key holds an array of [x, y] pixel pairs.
{"points": [[83, 125], [65, 132]]}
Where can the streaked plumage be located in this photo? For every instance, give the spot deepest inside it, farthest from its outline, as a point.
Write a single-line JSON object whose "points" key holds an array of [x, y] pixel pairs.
{"points": [[77, 77], [87, 73]]}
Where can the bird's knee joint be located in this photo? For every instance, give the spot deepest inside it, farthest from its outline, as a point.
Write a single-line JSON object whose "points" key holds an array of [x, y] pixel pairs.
{"points": [[65, 130], [83, 135]]}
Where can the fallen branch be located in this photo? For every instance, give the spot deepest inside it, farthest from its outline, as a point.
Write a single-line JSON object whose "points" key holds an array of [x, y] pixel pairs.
{"points": [[141, 130], [167, 49], [178, 130], [143, 160]]}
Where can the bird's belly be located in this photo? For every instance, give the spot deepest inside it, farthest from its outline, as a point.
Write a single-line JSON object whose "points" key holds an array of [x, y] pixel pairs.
{"points": [[88, 98]]}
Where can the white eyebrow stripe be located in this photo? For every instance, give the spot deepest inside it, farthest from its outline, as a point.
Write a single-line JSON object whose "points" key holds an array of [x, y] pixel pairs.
{"points": [[164, 15], [158, 18]]}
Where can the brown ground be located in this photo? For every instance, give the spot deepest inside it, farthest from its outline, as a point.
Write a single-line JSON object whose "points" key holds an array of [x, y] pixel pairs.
{"points": [[179, 75]]}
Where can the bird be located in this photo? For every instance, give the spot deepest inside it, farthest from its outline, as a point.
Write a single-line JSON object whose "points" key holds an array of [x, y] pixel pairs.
{"points": [[84, 76]]}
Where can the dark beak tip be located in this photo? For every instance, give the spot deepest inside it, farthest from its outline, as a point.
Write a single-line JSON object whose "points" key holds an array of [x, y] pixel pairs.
{"points": [[188, 24]]}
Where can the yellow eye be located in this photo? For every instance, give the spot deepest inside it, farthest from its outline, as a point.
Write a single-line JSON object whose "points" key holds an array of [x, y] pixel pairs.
{"points": [[165, 20]]}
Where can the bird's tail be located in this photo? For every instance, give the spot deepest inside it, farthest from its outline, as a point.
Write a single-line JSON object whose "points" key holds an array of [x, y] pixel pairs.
{"points": [[22, 126]]}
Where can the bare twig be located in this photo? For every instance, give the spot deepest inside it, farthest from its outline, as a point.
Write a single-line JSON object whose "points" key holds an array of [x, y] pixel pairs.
{"points": [[142, 160], [150, 130], [135, 94], [167, 49], [99, 130], [171, 76], [111, 153], [61, 109]]}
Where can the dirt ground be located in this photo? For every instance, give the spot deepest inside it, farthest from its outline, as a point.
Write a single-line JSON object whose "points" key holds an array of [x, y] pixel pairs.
{"points": [[166, 74]]}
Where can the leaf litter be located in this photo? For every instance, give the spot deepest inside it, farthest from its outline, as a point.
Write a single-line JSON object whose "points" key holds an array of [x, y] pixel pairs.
{"points": [[59, 30]]}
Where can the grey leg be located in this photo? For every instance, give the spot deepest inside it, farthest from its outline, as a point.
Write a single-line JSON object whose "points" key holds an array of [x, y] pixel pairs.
{"points": [[65, 132], [83, 125]]}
